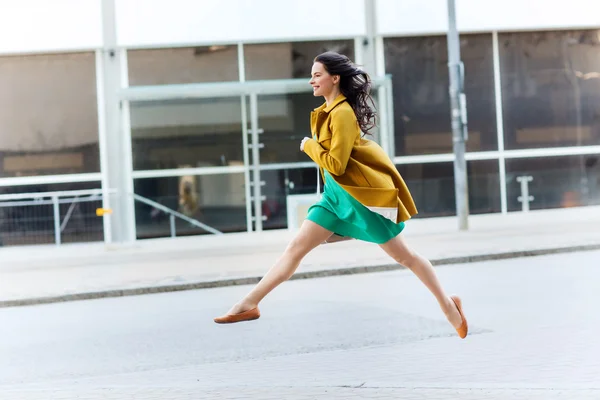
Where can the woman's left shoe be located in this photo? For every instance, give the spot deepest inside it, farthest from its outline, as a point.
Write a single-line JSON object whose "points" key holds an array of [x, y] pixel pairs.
{"points": [[248, 315], [463, 329]]}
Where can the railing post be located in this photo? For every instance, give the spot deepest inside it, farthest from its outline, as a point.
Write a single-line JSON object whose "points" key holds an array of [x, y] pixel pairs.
{"points": [[172, 223], [525, 198], [56, 207]]}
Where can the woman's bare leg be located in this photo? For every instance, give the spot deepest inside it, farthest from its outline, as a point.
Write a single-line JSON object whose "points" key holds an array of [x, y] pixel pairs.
{"points": [[399, 250], [309, 236]]}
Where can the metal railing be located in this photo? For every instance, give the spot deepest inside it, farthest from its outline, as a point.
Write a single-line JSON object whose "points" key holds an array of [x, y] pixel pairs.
{"points": [[46, 217], [29, 218], [174, 214]]}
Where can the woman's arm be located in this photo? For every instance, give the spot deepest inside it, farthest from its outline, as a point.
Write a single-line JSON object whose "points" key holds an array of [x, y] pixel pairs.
{"points": [[344, 130]]}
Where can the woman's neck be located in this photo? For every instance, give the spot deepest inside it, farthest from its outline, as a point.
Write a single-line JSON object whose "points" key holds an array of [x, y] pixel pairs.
{"points": [[330, 98]]}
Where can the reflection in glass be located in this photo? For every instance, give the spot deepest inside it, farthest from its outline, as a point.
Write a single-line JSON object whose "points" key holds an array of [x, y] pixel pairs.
{"points": [[419, 69], [48, 114], [289, 60], [550, 88], [557, 181], [187, 133], [282, 183], [34, 224], [285, 120], [218, 201], [432, 187], [183, 65]]}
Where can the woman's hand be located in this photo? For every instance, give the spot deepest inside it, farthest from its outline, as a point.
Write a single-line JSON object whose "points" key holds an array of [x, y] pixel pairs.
{"points": [[302, 143]]}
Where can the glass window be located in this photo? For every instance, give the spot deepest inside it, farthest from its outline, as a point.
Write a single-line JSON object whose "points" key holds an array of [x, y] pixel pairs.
{"points": [[34, 223], [187, 133], [289, 60], [48, 114], [218, 201], [419, 69], [285, 120], [550, 88], [183, 65], [432, 187], [282, 183], [556, 181]]}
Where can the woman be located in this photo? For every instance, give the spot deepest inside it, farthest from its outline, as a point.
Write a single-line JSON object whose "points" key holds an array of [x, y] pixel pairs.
{"points": [[364, 198]]}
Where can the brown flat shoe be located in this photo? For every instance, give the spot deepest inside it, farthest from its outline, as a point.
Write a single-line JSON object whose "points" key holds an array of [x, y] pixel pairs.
{"points": [[463, 329], [243, 316]]}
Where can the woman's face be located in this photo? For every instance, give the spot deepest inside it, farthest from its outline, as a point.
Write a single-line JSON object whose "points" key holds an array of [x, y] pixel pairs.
{"points": [[322, 82]]}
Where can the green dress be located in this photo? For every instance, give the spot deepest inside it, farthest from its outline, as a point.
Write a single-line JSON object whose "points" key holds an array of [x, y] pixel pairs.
{"points": [[339, 212]]}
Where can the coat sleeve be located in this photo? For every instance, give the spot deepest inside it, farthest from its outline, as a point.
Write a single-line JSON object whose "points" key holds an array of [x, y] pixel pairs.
{"points": [[344, 129]]}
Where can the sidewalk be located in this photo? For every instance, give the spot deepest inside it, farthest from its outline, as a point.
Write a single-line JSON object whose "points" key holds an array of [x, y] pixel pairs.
{"points": [[42, 274]]}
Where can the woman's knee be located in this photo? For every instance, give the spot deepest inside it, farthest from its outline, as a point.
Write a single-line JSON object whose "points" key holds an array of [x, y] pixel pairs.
{"points": [[298, 248], [407, 258]]}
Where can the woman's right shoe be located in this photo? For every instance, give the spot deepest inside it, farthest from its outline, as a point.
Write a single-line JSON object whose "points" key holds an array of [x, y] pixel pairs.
{"points": [[463, 329], [248, 315]]}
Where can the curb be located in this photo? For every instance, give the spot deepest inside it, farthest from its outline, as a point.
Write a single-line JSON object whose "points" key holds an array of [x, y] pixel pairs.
{"points": [[300, 275]]}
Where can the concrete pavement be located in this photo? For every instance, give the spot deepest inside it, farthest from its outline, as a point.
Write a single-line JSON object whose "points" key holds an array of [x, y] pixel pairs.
{"points": [[44, 274], [533, 321]]}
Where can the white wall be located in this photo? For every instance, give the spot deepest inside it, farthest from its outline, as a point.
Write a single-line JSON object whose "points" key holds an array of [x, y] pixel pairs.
{"points": [[162, 22], [29, 26], [49, 25], [421, 17]]}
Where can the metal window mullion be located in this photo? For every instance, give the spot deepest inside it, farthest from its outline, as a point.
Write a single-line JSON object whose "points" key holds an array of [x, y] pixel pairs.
{"points": [[244, 110], [50, 179], [256, 162], [56, 212], [127, 149], [103, 145], [359, 53], [246, 164], [499, 122], [390, 117], [380, 56], [241, 62]]}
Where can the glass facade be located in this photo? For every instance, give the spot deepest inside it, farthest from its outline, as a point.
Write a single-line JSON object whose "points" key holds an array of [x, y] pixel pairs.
{"points": [[48, 115], [550, 97], [432, 187], [285, 120], [568, 181], [419, 69], [187, 133], [289, 60], [217, 200], [23, 222], [550, 88], [183, 65]]}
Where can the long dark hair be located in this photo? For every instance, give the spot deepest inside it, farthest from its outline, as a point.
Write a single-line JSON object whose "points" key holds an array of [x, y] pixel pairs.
{"points": [[355, 84]]}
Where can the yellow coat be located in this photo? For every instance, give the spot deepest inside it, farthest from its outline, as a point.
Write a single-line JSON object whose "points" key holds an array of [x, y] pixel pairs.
{"points": [[358, 165]]}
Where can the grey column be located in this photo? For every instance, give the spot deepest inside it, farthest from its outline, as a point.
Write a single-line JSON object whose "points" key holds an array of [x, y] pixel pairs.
{"points": [[458, 113], [116, 147], [368, 50], [370, 61]]}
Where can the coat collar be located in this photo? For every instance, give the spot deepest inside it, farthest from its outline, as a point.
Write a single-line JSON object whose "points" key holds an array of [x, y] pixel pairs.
{"points": [[327, 108]]}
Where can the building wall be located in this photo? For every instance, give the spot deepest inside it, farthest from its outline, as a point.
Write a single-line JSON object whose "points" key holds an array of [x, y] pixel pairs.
{"points": [[58, 25], [539, 89]]}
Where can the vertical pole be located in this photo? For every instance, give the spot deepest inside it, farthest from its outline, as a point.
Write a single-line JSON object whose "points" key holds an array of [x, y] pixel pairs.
{"points": [[499, 122], [257, 183], [458, 112], [56, 207], [172, 224], [115, 144], [103, 146], [247, 190]]}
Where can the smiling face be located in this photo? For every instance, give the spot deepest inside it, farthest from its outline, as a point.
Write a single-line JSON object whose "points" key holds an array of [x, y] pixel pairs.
{"points": [[322, 82]]}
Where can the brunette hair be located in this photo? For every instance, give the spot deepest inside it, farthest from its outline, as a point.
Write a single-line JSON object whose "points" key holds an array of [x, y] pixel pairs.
{"points": [[355, 84]]}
